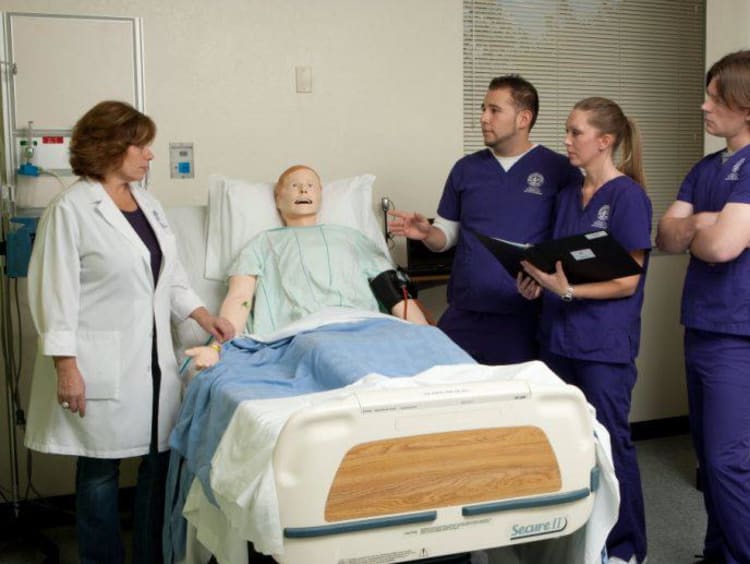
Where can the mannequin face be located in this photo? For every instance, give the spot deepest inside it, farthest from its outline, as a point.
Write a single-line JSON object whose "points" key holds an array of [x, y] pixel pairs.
{"points": [[298, 197]]}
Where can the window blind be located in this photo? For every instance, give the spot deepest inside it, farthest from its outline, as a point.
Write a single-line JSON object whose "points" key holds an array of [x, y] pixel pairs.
{"points": [[647, 55]]}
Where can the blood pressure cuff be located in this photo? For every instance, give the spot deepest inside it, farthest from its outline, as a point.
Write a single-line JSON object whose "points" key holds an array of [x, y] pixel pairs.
{"points": [[388, 287]]}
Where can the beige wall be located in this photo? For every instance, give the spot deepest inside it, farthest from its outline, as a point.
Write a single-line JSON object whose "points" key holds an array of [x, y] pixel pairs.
{"points": [[387, 99], [660, 390], [386, 93], [726, 31]]}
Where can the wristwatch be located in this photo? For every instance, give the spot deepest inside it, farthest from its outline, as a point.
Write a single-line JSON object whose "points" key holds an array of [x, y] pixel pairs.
{"points": [[568, 295]]}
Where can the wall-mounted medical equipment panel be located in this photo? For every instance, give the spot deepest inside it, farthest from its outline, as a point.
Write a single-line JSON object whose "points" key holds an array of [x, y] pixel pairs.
{"points": [[57, 66], [46, 152], [181, 163]]}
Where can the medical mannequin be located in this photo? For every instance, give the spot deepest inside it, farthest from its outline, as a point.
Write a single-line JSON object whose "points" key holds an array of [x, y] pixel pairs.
{"points": [[104, 280], [508, 191], [301, 268], [589, 333], [711, 219]]}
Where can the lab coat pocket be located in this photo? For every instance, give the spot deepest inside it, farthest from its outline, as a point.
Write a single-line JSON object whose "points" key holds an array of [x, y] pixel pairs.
{"points": [[99, 363]]}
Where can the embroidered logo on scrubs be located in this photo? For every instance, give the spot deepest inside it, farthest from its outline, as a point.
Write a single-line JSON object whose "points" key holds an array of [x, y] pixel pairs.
{"points": [[534, 183], [734, 175], [602, 218]]}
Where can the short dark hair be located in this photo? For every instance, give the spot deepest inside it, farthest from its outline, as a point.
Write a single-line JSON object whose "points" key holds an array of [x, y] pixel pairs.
{"points": [[525, 96], [102, 136], [732, 72]]}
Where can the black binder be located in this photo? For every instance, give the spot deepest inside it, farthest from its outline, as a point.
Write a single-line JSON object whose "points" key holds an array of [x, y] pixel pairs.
{"points": [[588, 257]]}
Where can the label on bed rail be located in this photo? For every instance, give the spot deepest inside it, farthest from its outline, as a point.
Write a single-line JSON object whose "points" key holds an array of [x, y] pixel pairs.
{"points": [[537, 528], [430, 397]]}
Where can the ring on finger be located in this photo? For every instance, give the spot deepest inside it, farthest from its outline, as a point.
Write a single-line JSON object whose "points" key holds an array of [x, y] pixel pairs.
{"points": [[64, 404]]}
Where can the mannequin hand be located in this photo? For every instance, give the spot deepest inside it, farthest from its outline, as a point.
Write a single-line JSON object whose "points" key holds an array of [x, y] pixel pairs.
{"points": [[410, 225], [204, 357], [71, 388]]}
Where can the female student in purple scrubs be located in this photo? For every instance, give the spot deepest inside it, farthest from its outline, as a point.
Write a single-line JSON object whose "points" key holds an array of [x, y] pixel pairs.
{"points": [[711, 219], [589, 333]]}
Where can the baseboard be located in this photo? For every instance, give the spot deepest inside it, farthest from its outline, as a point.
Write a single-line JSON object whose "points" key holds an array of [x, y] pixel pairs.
{"points": [[659, 428]]}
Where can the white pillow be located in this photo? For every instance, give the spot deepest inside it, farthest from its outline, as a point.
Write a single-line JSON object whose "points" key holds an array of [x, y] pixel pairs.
{"points": [[238, 210]]}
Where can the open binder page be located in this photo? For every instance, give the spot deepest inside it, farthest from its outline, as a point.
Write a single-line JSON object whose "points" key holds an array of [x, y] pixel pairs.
{"points": [[509, 253], [588, 257]]}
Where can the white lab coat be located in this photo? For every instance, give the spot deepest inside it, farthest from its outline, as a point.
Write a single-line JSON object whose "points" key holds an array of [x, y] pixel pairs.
{"points": [[92, 296]]}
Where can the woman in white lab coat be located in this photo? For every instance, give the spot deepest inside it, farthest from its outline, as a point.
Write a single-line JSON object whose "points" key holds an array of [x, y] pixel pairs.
{"points": [[104, 279]]}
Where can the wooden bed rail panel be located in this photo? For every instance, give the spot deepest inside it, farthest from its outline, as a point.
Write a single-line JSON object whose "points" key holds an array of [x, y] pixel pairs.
{"points": [[442, 469]]}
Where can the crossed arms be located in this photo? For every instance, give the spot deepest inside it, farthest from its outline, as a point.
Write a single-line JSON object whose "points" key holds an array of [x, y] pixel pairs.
{"points": [[709, 236]]}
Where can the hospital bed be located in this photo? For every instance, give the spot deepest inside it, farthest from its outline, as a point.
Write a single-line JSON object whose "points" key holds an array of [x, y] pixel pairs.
{"points": [[456, 458]]}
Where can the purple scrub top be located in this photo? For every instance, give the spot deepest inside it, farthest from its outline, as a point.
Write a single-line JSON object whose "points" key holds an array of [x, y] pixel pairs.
{"points": [[517, 205], [716, 296], [600, 330]]}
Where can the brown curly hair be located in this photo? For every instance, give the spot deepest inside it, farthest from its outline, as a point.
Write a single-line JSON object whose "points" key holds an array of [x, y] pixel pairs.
{"points": [[102, 136]]}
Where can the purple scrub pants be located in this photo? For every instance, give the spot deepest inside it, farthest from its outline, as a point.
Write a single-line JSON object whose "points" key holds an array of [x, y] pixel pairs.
{"points": [[718, 381], [608, 387], [492, 338]]}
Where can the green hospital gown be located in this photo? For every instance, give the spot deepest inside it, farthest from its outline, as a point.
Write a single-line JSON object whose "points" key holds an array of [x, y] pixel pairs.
{"points": [[302, 270]]}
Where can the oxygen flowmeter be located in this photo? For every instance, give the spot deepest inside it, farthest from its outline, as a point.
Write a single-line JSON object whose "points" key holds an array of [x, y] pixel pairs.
{"points": [[28, 146]]}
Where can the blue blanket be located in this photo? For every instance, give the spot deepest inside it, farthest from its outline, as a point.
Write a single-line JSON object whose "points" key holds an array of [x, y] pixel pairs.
{"points": [[329, 357]]}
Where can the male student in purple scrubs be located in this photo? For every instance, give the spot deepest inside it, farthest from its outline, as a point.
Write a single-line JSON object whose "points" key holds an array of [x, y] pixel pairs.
{"points": [[508, 191], [711, 219]]}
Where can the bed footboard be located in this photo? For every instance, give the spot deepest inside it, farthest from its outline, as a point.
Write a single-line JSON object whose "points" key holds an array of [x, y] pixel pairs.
{"points": [[390, 476]]}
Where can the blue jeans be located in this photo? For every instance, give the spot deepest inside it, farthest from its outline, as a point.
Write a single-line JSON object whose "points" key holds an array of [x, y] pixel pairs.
{"points": [[98, 516]]}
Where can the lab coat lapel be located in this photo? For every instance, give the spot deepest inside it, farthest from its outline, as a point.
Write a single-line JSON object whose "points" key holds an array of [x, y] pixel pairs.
{"points": [[158, 223], [112, 215]]}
